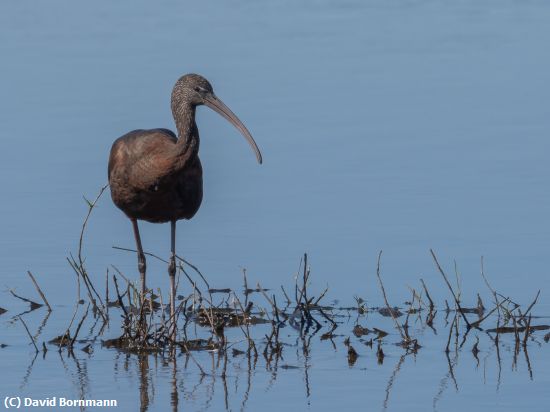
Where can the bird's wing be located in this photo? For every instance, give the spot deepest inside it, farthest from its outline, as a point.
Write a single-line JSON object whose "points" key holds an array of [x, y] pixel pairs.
{"points": [[140, 157]]}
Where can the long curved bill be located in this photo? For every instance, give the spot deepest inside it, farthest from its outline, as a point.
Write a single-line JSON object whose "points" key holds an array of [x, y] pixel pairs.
{"points": [[217, 105]]}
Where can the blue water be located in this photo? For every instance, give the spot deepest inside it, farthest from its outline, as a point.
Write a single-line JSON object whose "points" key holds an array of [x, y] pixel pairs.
{"points": [[400, 125]]}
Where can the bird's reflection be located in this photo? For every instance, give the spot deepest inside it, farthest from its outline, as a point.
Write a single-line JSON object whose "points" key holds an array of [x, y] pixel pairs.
{"points": [[174, 398], [143, 365]]}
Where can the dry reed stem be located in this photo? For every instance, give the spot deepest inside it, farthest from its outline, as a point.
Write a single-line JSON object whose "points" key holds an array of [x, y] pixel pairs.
{"points": [[403, 336], [91, 205], [531, 305], [39, 290], [250, 341], [188, 353], [450, 288], [497, 303], [33, 304], [320, 297], [427, 295], [107, 292], [28, 333], [478, 322], [450, 334], [145, 253], [73, 340], [288, 301], [275, 309], [120, 302], [128, 282], [79, 267], [527, 331]]}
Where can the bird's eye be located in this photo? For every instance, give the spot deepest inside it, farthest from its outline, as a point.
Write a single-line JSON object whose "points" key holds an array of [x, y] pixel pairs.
{"points": [[200, 89]]}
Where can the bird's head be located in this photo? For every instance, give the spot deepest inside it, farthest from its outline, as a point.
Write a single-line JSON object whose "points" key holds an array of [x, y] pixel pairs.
{"points": [[194, 90], [191, 89]]}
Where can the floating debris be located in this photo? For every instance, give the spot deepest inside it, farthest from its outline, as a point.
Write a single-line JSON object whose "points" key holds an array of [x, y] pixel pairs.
{"points": [[227, 317], [61, 340], [380, 333], [127, 344], [32, 303], [359, 331], [509, 329], [390, 312], [379, 353], [223, 290], [199, 344], [352, 355], [237, 352], [88, 349]]}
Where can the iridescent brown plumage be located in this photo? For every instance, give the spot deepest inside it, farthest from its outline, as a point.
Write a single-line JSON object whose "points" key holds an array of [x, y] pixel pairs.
{"points": [[156, 176]]}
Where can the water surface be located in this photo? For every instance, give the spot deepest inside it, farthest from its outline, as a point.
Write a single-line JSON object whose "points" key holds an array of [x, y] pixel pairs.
{"points": [[398, 125]]}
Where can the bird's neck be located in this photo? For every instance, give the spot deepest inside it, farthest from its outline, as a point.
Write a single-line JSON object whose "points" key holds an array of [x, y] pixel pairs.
{"points": [[187, 145]]}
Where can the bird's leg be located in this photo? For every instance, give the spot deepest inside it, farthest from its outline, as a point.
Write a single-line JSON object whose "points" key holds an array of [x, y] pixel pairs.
{"points": [[172, 274], [141, 259]]}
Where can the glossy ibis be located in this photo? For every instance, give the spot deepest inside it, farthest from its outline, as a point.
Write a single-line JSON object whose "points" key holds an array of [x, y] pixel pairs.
{"points": [[156, 176]]}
